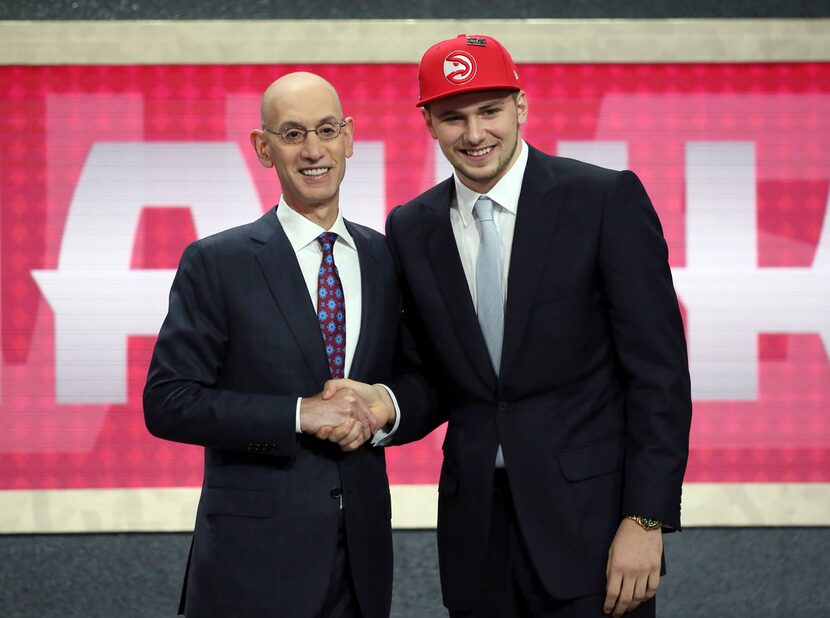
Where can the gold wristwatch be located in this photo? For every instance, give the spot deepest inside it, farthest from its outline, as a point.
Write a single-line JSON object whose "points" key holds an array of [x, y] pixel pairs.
{"points": [[646, 523]]}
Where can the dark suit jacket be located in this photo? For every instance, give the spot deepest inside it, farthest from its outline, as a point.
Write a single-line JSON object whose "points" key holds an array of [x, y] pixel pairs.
{"points": [[592, 404], [240, 343]]}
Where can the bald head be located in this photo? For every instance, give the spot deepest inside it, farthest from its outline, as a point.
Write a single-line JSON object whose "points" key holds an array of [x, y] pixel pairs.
{"points": [[292, 90]]}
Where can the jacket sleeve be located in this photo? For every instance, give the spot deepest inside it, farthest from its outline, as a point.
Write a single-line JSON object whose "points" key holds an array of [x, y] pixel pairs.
{"points": [[651, 347], [420, 390], [183, 401]]}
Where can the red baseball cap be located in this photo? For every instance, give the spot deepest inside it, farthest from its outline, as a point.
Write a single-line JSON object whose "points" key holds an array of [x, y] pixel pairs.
{"points": [[465, 64]]}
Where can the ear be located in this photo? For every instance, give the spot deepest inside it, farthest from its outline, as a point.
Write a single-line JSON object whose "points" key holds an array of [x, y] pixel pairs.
{"points": [[521, 105], [428, 122], [348, 136], [260, 144]]}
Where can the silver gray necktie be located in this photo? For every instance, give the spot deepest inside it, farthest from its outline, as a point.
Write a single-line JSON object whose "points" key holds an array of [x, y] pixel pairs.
{"points": [[489, 299]]}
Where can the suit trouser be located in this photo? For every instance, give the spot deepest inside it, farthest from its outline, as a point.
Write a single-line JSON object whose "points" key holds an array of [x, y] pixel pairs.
{"points": [[510, 586], [341, 600]]}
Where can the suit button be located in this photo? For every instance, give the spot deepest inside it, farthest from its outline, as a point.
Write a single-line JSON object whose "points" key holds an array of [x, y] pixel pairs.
{"points": [[335, 493], [502, 406]]}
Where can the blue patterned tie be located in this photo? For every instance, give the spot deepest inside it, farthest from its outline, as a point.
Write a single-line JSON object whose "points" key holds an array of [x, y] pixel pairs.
{"points": [[331, 307], [489, 299]]}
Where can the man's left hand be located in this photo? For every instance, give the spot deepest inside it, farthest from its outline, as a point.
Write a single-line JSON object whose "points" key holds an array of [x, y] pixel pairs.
{"points": [[633, 571]]}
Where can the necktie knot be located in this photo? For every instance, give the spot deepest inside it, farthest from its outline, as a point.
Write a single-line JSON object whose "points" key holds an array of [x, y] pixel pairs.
{"points": [[484, 208], [326, 240]]}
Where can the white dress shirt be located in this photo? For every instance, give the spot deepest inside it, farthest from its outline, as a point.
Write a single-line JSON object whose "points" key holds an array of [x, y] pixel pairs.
{"points": [[302, 234]]}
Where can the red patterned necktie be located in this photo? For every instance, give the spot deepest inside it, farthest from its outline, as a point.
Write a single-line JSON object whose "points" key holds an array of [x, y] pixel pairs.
{"points": [[331, 307]]}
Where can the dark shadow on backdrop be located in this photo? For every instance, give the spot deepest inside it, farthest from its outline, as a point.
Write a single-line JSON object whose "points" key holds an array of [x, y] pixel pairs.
{"points": [[399, 9]]}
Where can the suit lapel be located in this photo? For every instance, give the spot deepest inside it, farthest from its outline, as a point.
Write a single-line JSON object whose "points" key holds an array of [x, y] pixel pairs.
{"points": [[540, 202], [371, 293], [282, 272], [446, 264]]}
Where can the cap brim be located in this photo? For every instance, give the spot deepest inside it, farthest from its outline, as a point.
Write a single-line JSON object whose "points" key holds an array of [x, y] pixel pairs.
{"points": [[467, 89]]}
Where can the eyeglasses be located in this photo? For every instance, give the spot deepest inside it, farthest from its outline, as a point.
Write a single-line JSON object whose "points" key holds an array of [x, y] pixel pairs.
{"points": [[296, 135]]}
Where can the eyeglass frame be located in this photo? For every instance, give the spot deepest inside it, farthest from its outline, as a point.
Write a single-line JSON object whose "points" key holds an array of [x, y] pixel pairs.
{"points": [[305, 131]]}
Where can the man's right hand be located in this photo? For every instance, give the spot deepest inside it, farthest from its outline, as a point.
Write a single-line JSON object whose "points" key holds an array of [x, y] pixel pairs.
{"points": [[377, 399], [344, 409], [375, 396]]}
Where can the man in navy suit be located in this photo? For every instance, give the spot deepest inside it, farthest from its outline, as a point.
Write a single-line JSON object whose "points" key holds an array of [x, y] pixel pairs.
{"points": [[260, 317], [539, 299]]}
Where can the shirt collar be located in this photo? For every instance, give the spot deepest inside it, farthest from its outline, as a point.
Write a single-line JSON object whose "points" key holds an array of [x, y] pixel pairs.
{"points": [[505, 193], [301, 232]]}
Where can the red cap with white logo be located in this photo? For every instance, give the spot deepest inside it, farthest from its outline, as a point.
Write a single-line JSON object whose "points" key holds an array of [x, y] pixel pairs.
{"points": [[465, 64]]}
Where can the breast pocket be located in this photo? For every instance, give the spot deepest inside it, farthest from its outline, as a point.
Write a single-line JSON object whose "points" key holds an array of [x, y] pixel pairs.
{"points": [[569, 332]]}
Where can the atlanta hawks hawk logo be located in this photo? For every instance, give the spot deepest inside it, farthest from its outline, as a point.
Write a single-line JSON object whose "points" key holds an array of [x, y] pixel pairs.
{"points": [[459, 67]]}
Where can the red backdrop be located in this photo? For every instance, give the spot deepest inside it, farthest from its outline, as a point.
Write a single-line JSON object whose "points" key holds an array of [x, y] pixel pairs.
{"points": [[96, 166]]}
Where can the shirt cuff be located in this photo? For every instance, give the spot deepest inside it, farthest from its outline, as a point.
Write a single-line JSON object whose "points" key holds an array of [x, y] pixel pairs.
{"points": [[297, 426], [383, 437]]}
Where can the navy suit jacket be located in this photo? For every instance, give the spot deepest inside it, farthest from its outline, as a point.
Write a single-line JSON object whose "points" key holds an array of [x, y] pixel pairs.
{"points": [[240, 343], [592, 404]]}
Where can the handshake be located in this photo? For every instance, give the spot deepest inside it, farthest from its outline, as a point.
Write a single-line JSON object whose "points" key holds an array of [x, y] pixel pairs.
{"points": [[347, 412]]}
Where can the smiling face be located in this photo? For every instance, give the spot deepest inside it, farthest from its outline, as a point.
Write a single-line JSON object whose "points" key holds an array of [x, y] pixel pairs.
{"points": [[310, 173], [478, 133]]}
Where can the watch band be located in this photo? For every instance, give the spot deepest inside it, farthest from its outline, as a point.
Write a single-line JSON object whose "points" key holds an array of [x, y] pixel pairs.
{"points": [[646, 523]]}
